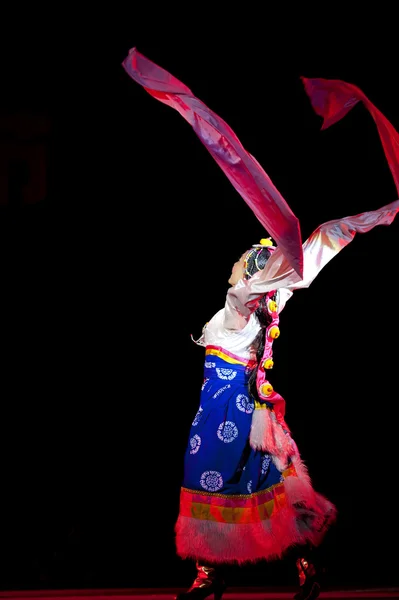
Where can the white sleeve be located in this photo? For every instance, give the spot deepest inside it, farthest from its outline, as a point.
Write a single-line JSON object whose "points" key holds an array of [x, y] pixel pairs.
{"points": [[323, 244]]}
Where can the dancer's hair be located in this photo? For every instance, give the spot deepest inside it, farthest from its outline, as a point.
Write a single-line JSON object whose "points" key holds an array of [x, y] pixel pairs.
{"points": [[255, 261]]}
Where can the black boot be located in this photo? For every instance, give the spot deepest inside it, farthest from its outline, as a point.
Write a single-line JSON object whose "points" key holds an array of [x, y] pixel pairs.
{"points": [[207, 582], [309, 586]]}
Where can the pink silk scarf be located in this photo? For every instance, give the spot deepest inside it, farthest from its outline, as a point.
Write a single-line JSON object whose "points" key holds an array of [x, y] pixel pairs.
{"points": [[240, 167], [332, 99]]}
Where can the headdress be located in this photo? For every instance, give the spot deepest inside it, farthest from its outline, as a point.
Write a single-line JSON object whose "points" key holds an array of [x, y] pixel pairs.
{"points": [[258, 256]]}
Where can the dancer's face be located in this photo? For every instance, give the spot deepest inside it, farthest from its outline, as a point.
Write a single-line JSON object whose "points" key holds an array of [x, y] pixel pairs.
{"points": [[238, 270]]}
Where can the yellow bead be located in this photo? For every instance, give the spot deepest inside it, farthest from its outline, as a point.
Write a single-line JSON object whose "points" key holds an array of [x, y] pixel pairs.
{"points": [[274, 332], [266, 242], [266, 389], [272, 306], [268, 364]]}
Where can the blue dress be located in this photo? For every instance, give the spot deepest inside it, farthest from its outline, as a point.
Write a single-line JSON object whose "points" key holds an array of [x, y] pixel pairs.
{"points": [[240, 504]]}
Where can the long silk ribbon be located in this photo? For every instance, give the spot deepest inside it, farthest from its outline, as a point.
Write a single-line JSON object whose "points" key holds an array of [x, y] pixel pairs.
{"points": [[240, 167], [332, 99]]}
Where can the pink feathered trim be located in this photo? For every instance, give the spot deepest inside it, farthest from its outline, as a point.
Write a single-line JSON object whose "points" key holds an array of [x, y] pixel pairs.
{"points": [[303, 517], [267, 434]]}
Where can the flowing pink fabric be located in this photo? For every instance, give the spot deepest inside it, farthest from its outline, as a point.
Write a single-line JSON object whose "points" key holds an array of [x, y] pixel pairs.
{"points": [[332, 99], [240, 167]]}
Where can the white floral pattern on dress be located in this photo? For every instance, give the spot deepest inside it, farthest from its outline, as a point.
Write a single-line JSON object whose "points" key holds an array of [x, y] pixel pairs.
{"points": [[221, 390], [195, 444], [227, 432], [226, 373], [198, 416], [244, 404], [204, 383], [211, 481], [265, 464], [249, 487]]}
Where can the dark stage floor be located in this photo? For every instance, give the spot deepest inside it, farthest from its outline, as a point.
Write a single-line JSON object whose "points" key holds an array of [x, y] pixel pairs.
{"points": [[168, 594]]}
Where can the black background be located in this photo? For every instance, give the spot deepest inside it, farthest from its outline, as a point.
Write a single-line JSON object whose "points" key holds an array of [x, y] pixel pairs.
{"points": [[129, 252]]}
